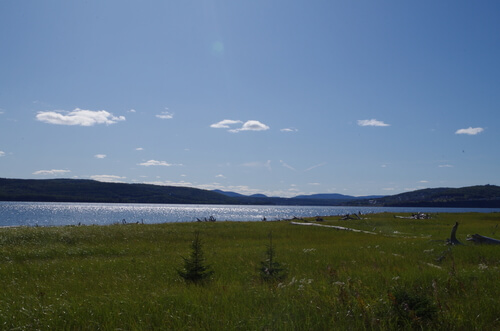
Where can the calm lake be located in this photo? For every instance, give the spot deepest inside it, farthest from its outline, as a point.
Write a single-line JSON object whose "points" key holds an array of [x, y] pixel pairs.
{"points": [[57, 214]]}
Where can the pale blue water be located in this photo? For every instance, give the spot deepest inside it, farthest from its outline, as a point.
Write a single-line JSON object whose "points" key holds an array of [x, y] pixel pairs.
{"points": [[57, 214]]}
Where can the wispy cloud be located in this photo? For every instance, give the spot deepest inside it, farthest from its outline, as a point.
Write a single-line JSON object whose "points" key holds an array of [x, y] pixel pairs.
{"points": [[170, 183], [165, 115], [289, 130], [470, 131], [132, 111], [445, 166], [220, 176], [315, 166], [108, 178], [139, 149], [287, 166], [372, 122], [2, 153], [100, 156], [251, 125], [157, 163], [79, 117], [53, 172], [258, 164]]}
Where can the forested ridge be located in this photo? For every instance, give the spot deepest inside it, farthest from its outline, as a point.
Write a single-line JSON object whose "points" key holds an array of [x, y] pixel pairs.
{"points": [[83, 190], [79, 190]]}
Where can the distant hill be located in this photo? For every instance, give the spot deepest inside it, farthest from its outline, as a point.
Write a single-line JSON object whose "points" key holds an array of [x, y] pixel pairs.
{"points": [[234, 194], [80, 190], [336, 196], [229, 194], [258, 196], [482, 196]]}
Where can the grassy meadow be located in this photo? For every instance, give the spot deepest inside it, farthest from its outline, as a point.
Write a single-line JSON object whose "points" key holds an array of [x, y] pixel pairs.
{"points": [[124, 277]]}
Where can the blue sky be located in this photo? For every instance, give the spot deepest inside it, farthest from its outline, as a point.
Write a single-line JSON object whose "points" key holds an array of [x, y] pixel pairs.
{"points": [[275, 97]]}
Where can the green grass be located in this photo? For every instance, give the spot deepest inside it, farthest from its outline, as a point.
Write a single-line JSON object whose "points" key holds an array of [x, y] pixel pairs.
{"points": [[125, 276]]}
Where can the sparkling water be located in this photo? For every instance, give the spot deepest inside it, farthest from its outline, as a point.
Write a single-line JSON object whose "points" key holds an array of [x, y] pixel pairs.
{"points": [[57, 214]]}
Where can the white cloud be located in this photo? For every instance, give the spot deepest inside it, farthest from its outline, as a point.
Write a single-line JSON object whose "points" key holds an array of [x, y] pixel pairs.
{"points": [[108, 178], [289, 130], [314, 184], [470, 131], [132, 111], [78, 117], [157, 163], [50, 172], [372, 122], [225, 124], [139, 149], [165, 115], [2, 153], [445, 166], [100, 156], [251, 126], [423, 181], [220, 176]]}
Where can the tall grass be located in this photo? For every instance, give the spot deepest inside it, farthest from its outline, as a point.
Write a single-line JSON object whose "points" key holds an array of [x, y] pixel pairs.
{"points": [[125, 276]]}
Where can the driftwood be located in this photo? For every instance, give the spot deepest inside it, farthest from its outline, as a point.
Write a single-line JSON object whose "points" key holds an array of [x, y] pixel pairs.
{"points": [[211, 219], [475, 238], [478, 239], [350, 217], [417, 216], [453, 237], [333, 227]]}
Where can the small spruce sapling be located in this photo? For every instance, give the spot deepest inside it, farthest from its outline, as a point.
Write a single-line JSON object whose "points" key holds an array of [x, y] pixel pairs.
{"points": [[270, 269], [195, 270]]}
